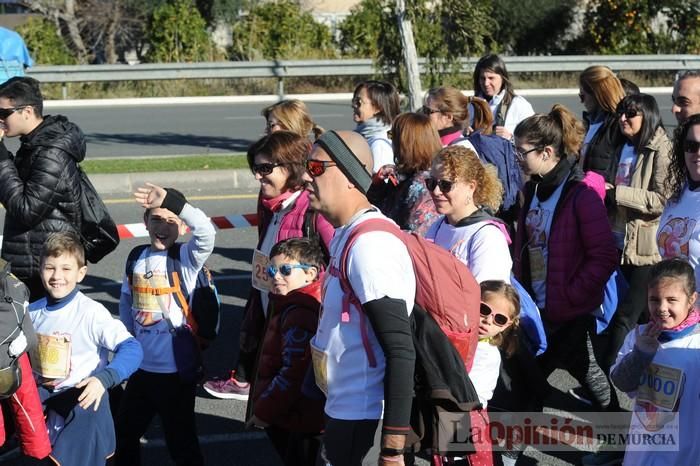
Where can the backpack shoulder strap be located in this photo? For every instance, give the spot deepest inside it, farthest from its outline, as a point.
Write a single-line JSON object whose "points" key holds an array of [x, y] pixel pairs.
{"points": [[310, 230], [174, 267], [131, 259]]}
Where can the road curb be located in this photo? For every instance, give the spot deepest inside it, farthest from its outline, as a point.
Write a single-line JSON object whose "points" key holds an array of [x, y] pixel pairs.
{"points": [[236, 181]]}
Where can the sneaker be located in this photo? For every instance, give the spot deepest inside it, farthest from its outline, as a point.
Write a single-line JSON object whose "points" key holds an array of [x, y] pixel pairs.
{"points": [[603, 458], [228, 389]]}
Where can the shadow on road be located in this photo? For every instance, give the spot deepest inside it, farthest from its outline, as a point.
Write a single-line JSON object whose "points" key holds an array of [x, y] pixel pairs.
{"points": [[171, 139]]}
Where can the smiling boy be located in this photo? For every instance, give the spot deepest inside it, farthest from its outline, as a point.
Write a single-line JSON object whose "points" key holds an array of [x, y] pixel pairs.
{"points": [[71, 367], [149, 309]]}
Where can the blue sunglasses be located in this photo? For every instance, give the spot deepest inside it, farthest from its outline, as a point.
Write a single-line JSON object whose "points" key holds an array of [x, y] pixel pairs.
{"points": [[286, 269]]}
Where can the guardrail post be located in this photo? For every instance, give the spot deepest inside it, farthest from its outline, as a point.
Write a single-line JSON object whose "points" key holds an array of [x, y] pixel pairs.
{"points": [[64, 91], [280, 87]]}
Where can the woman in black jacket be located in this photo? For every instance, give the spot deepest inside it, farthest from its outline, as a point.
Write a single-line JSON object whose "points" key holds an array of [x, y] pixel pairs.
{"points": [[40, 187]]}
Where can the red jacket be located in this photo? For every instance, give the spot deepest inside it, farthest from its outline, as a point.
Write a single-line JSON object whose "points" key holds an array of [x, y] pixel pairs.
{"points": [[28, 415], [582, 252], [285, 358]]}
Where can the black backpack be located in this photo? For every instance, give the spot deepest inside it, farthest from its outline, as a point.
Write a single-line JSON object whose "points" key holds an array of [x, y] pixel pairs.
{"points": [[16, 331], [98, 232]]}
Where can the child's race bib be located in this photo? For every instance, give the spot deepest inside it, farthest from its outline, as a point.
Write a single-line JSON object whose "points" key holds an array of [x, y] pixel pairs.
{"points": [[261, 280], [51, 359], [320, 362]]}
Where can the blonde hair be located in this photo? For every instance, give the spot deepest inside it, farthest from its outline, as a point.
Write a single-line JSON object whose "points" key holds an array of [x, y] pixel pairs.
{"points": [[463, 164], [293, 115], [507, 340], [601, 82]]}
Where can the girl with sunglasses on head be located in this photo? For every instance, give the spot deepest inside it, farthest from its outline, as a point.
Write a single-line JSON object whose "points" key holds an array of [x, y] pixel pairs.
{"points": [[491, 82], [600, 93], [563, 251], [292, 421], [290, 115], [277, 161], [678, 234], [635, 204], [465, 192]]}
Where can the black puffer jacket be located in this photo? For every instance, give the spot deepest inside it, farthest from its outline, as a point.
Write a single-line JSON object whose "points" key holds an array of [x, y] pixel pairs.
{"points": [[40, 190]]}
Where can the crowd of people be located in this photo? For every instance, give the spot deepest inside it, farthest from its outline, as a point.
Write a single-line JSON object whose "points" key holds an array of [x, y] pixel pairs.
{"points": [[328, 357]]}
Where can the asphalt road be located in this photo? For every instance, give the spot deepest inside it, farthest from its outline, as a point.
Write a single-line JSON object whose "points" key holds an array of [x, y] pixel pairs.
{"points": [[220, 128], [220, 422]]}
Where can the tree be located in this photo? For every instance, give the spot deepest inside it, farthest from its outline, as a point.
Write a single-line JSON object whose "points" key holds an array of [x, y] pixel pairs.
{"points": [[45, 43], [682, 26], [178, 34], [280, 30]]}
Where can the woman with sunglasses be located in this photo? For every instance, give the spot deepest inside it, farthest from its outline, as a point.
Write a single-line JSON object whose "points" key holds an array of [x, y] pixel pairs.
{"points": [[277, 161], [375, 104], [600, 93], [563, 251], [679, 229], [464, 191], [491, 82], [290, 115], [415, 141], [635, 206]]}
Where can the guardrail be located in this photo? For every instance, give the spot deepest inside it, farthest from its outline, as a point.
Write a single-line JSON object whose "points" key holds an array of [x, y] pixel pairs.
{"points": [[281, 69]]}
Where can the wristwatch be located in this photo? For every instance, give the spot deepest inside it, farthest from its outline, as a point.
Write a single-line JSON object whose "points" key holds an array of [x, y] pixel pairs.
{"points": [[386, 451]]}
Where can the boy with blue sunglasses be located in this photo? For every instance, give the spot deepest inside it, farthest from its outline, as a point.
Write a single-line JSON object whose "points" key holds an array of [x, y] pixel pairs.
{"points": [[292, 421]]}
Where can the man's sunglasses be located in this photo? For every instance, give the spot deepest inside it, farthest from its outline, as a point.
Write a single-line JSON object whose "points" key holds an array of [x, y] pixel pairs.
{"points": [[444, 185], [285, 269], [691, 147], [629, 113], [265, 168], [498, 318], [318, 167], [6, 112]]}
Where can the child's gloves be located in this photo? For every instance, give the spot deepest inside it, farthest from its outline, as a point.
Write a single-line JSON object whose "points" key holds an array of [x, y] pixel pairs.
{"points": [[174, 201]]}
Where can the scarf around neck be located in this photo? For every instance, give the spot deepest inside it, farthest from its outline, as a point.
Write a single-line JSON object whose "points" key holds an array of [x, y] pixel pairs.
{"points": [[372, 127], [274, 204], [547, 184], [682, 329]]}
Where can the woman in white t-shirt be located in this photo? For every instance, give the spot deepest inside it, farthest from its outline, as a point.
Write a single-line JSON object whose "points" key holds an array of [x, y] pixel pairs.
{"points": [[491, 82], [679, 229], [635, 203], [465, 192]]}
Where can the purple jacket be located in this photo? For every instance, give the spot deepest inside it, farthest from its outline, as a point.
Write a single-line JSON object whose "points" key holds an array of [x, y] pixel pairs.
{"points": [[582, 253]]}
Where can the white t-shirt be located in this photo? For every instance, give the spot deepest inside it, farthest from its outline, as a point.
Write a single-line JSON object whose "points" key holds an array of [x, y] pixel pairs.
{"points": [[480, 246], [679, 232], [670, 384], [484, 371], [517, 111], [623, 177], [88, 326], [538, 223], [382, 151], [378, 266]]}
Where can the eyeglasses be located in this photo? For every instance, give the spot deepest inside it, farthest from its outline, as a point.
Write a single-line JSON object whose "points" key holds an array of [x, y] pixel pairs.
{"points": [[521, 156], [263, 169], [285, 269], [498, 318], [444, 185], [425, 110], [691, 147], [356, 102], [629, 113], [6, 112], [318, 167]]}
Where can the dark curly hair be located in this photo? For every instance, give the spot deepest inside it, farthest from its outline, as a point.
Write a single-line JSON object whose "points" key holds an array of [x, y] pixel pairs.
{"points": [[677, 171]]}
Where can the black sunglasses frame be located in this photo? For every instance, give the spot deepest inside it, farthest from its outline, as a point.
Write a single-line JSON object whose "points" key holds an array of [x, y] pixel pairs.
{"points": [[444, 185], [6, 112], [691, 147], [263, 169], [321, 164]]}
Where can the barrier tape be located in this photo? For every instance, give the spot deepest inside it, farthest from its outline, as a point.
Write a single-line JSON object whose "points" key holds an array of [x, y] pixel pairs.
{"points": [[226, 222]]}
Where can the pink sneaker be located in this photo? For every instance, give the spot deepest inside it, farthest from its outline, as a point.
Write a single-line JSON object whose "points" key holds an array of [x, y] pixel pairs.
{"points": [[228, 389]]}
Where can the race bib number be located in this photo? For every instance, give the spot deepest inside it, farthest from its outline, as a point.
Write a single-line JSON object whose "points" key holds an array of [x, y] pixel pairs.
{"points": [[261, 280], [660, 386], [538, 268], [320, 362], [143, 291], [52, 356]]}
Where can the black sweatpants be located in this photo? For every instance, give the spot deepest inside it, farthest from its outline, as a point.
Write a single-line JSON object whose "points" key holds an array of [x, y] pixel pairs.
{"points": [[351, 443], [148, 394]]}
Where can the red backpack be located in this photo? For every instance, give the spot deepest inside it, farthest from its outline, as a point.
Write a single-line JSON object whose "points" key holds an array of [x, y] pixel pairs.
{"points": [[445, 288]]}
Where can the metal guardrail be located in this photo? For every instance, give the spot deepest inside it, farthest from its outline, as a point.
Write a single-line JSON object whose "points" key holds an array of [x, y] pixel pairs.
{"points": [[281, 69]]}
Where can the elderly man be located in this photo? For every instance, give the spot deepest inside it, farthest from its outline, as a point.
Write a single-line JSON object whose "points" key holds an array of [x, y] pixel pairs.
{"points": [[363, 358], [40, 186], [686, 95]]}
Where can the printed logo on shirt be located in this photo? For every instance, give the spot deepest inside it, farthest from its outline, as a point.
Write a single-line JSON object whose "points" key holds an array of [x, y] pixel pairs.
{"points": [[145, 298], [673, 237], [658, 396], [624, 174], [535, 225]]}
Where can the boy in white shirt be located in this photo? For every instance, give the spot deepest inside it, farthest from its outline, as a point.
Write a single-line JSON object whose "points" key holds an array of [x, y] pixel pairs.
{"points": [[71, 367], [150, 307]]}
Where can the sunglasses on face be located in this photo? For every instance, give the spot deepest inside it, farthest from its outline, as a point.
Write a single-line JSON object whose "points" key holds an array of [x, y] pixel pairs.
{"points": [[356, 102], [629, 113], [285, 269], [691, 147], [425, 110], [6, 112], [265, 168], [498, 318], [318, 167], [444, 185]]}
